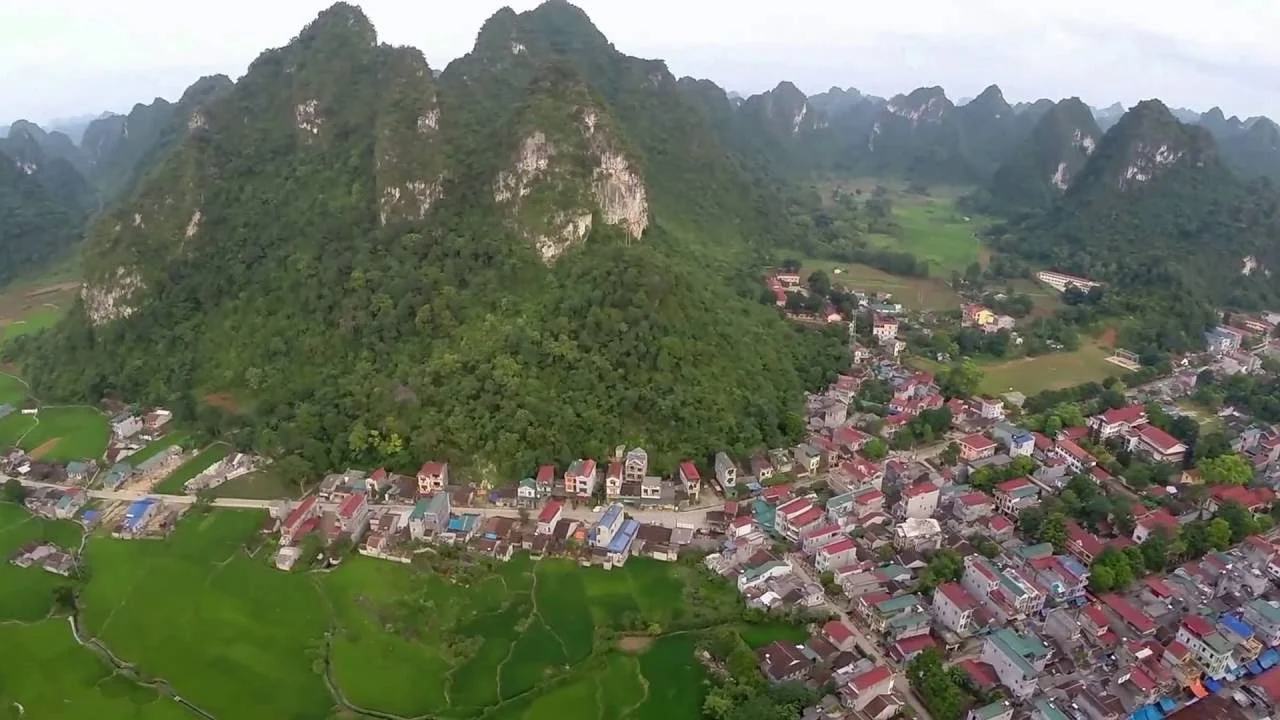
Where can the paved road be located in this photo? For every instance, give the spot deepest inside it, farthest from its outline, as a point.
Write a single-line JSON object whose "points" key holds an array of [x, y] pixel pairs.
{"points": [[868, 645], [695, 518]]}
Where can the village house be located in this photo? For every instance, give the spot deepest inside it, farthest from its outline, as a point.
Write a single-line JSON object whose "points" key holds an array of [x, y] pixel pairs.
{"points": [[690, 480], [613, 483], [635, 465], [835, 554], [80, 471], [430, 515], [125, 425], [976, 447], [1061, 281], [70, 503], [136, 517], [1117, 421], [1223, 340], [353, 515], [1157, 445], [919, 501], [1210, 648], [1014, 496], [972, 506], [797, 516], [1151, 522], [1063, 576], [432, 476], [1264, 617], [883, 328], [582, 476], [781, 662], [976, 315], [726, 474], [919, 534], [954, 607], [1133, 617], [549, 517], [863, 688], [1017, 659], [157, 419], [1017, 441], [300, 521], [1076, 458]]}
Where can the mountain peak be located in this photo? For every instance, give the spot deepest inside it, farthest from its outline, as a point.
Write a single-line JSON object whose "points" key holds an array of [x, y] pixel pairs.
{"points": [[555, 25], [341, 17]]}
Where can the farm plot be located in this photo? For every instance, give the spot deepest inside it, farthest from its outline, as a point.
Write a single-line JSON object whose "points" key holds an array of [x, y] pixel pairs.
{"points": [[28, 592], [63, 434]]}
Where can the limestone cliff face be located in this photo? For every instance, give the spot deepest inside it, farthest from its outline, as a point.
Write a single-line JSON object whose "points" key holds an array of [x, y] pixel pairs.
{"points": [[561, 179], [408, 150]]}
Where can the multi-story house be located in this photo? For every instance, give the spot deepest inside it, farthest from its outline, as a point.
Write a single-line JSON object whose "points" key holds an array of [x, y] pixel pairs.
{"points": [[1019, 441], [977, 446], [972, 507], [867, 502], [613, 481], [1076, 458], [301, 520], [1210, 648], [353, 515], [581, 478], [545, 480], [690, 479], [919, 501], [1117, 421], [432, 476], [883, 328], [807, 459], [1264, 617], [430, 514], [819, 536], [635, 465], [1063, 576], [726, 473], [1017, 659], [1014, 496], [1157, 445], [794, 516], [954, 607], [549, 517], [1158, 520], [835, 554]]}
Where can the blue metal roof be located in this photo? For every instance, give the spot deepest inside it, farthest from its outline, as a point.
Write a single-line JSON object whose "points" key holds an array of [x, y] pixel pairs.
{"points": [[1253, 667], [1268, 658], [611, 515], [1212, 685], [1237, 626], [620, 542], [1168, 704]]}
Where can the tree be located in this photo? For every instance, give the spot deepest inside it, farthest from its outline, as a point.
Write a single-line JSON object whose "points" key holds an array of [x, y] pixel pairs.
{"points": [[940, 688], [1054, 531], [1218, 533], [961, 378], [875, 449], [1228, 469], [1052, 426], [1101, 579], [14, 491], [819, 283]]}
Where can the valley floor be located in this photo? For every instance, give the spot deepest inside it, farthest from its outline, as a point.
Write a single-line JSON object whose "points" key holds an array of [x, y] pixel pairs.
{"points": [[449, 636]]}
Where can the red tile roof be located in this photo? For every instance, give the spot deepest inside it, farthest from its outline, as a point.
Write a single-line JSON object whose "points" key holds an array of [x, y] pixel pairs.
{"points": [[870, 678], [1072, 433], [982, 674], [913, 645], [974, 499], [1198, 625], [839, 546], [808, 517], [1075, 451], [867, 497], [432, 468], [1158, 438], [977, 441], [349, 506], [690, 472], [550, 511], [299, 513], [1136, 619], [837, 632], [923, 488], [792, 507], [1269, 683], [1159, 519], [546, 473], [1127, 414], [1043, 443], [1096, 616], [958, 596], [1177, 649], [1159, 587], [999, 523], [614, 470], [1012, 485], [1141, 680]]}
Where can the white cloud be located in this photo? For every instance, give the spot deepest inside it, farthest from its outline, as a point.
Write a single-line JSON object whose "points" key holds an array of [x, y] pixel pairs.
{"points": [[66, 56]]}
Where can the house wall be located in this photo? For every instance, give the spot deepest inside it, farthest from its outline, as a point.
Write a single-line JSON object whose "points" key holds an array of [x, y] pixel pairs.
{"points": [[1010, 674], [950, 614]]}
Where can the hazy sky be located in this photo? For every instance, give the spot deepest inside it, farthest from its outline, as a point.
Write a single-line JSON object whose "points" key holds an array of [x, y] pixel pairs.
{"points": [[70, 57]]}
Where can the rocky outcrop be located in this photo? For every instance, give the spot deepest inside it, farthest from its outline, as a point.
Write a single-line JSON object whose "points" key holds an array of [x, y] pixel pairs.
{"points": [[579, 173], [112, 298]]}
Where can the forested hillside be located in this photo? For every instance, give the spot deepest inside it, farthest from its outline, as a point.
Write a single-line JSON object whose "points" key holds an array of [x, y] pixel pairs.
{"points": [[542, 253], [40, 218]]}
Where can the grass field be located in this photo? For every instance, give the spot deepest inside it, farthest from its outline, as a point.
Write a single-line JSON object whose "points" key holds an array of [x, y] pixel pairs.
{"points": [[447, 636], [12, 391], [1050, 372], [13, 427], [62, 434], [34, 320], [264, 484], [172, 485], [915, 293], [57, 679], [28, 592]]}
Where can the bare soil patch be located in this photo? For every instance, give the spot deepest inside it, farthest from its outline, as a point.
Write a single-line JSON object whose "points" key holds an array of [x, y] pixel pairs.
{"points": [[634, 643], [44, 448], [1108, 338], [223, 401]]}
